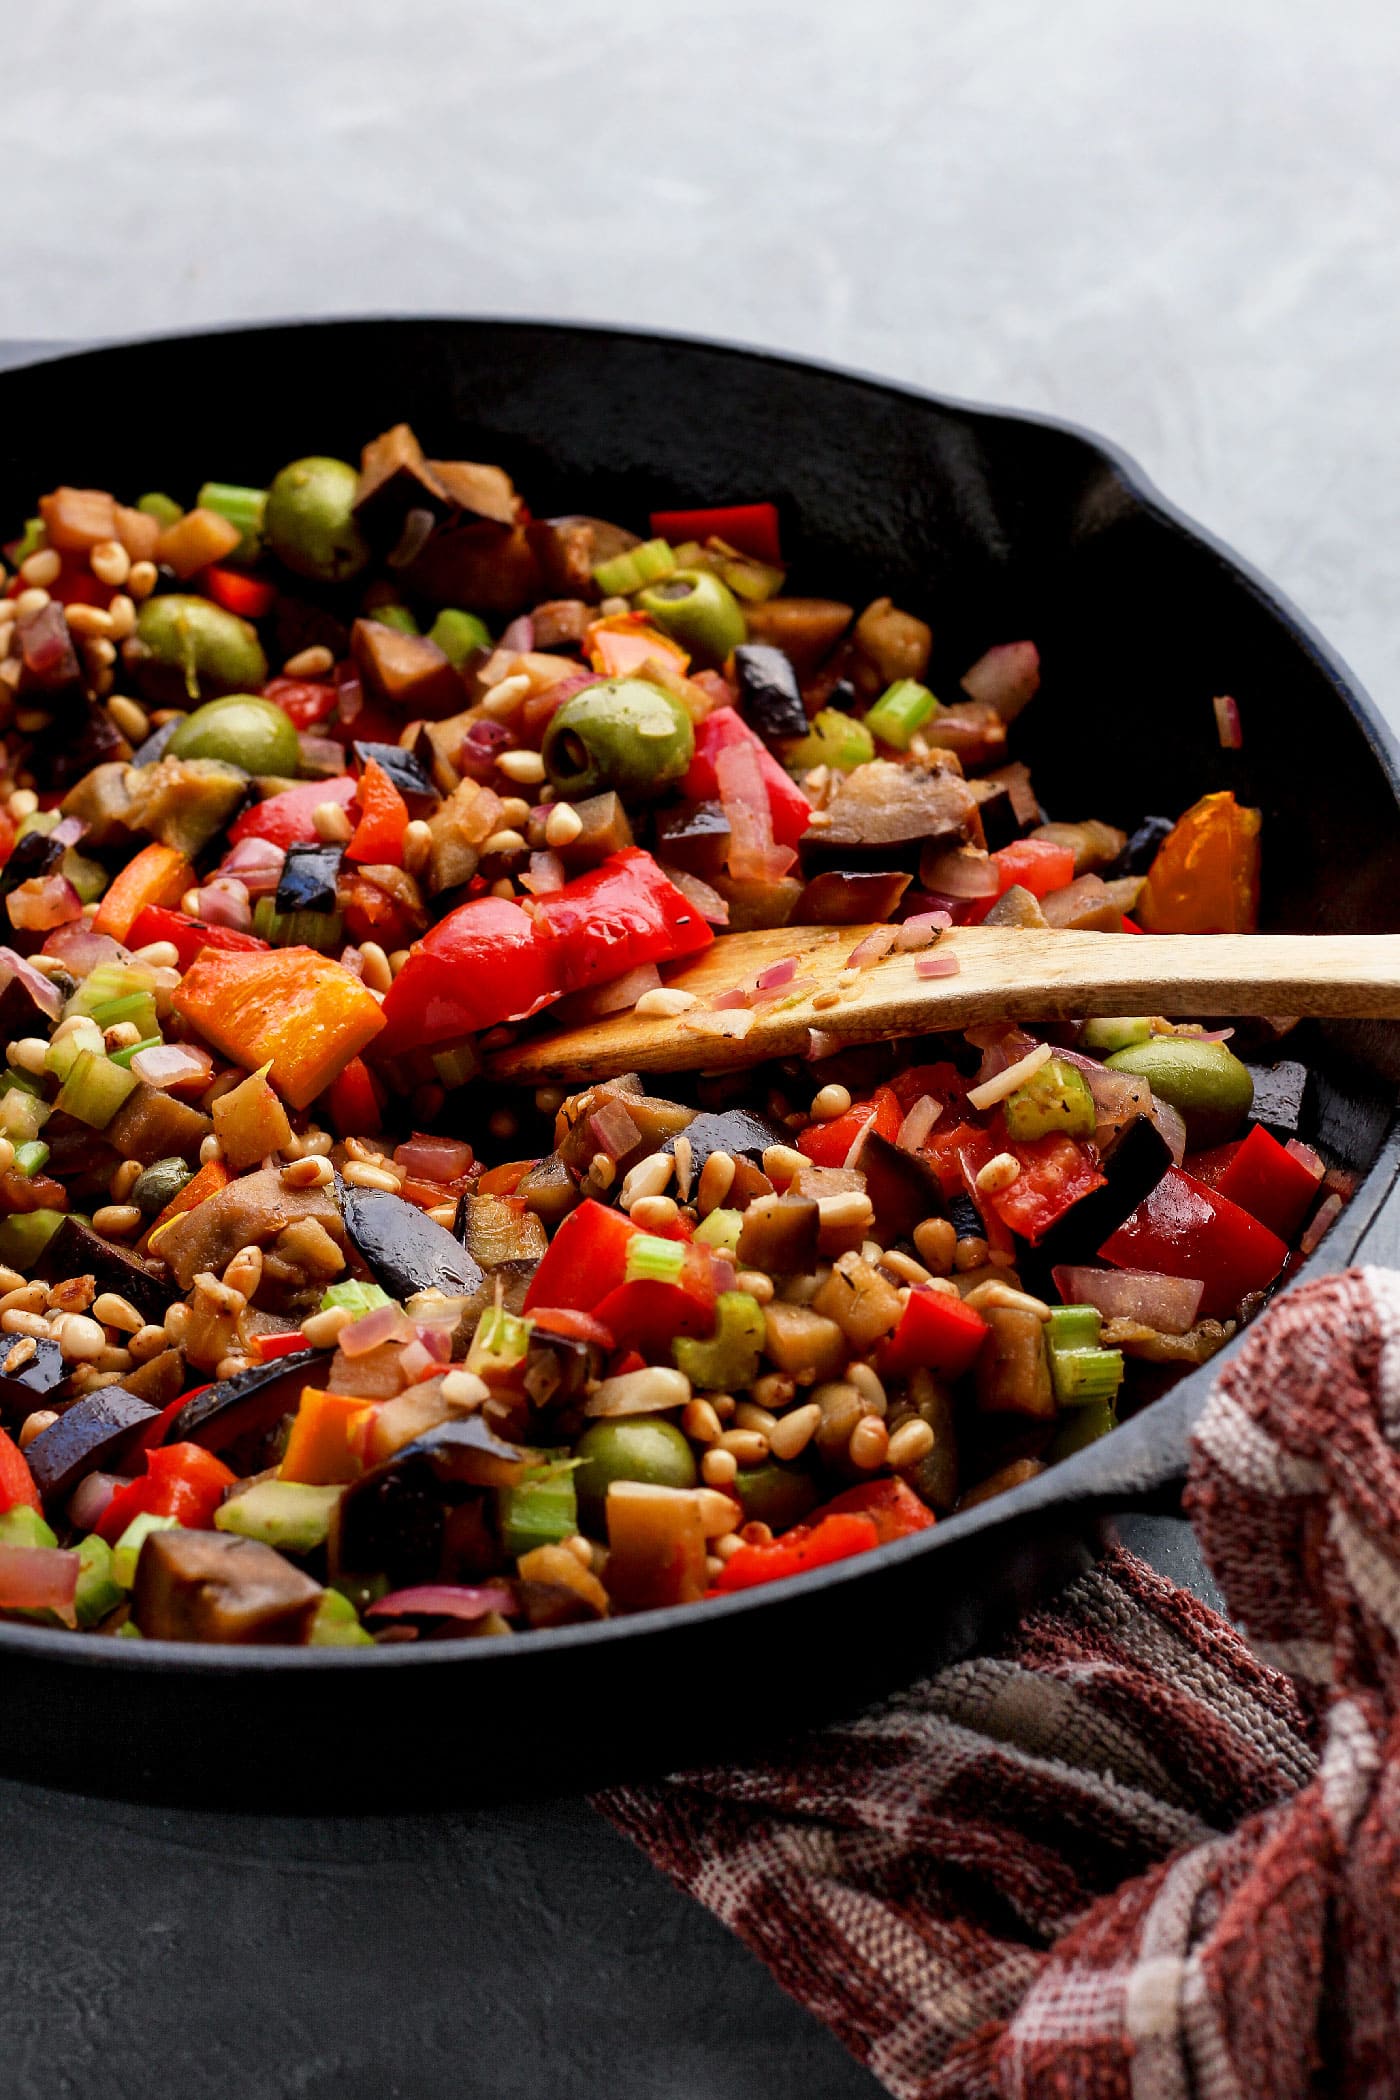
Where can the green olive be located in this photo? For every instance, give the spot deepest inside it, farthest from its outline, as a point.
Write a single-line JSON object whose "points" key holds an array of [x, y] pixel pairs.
{"points": [[211, 651], [242, 730], [776, 1495], [625, 733], [160, 1184], [1204, 1082], [695, 608], [638, 1448], [309, 520]]}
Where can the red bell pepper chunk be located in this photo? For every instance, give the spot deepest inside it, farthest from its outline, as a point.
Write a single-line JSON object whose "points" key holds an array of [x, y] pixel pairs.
{"points": [[936, 1332], [805, 1546], [568, 1320], [751, 527], [157, 922], [1131, 925], [1270, 1182], [307, 702], [355, 1100], [1211, 1167], [383, 821], [891, 1505], [789, 808], [1185, 1229], [291, 1008], [1037, 865], [154, 1432], [616, 918], [249, 596], [649, 1314], [1055, 1173], [183, 1481], [270, 1346], [17, 1489], [585, 1260], [482, 964], [829, 1144], [289, 819]]}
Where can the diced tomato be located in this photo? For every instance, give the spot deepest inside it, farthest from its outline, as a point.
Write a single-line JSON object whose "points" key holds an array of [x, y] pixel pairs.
{"points": [[891, 1505], [1037, 865], [1055, 1173], [829, 1144], [303, 699], [943, 1081], [751, 527], [17, 1489], [1185, 1229], [383, 819], [936, 1332], [289, 819], [156, 922], [251, 597], [270, 1346], [586, 1259]]}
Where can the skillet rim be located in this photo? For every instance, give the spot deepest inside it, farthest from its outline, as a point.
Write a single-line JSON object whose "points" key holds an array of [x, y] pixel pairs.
{"points": [[1095, 1480]]}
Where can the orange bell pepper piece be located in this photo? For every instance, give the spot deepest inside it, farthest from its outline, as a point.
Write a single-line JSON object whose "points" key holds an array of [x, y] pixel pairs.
{"points": [[290, 1008], [319, 1450], [1205, 878], [212, 1177], [621, 644], [378, 837], [158, 875]]}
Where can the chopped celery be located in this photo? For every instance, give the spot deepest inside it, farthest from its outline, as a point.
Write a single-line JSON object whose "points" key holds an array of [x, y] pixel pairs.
{"points": [[98, 1590], [540, 1510], [1101, 1038], [835, 740], [900, 710], [501, 1341], [22, 1115], [124, 1057], [297, 929], [729, 1360], [455, 1067], [31, 1157], [24, 1234], [61, 1057], [128, 1547], [721, 1229], [108, 982], [242, 507], [164, 509], [654, 1260], [1080, 1371], [1085, 1426], [34, 537], [22, 1526], [357, 1298], [95, 1089], [289, 1514], [459, 635], [25, 1083], [137, 1007], [1074, 1327], [1054, 1100], [396, 616], [629, 572], [129, 1632], [753, 581], [45, 820], [336, 1624]]}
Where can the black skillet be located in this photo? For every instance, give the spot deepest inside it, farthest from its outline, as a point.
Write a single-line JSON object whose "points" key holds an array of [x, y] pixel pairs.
{"points": [[993, 526]]}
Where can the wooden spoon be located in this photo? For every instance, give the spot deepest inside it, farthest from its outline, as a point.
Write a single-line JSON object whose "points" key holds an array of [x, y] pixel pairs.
{"points": [[1004, 973]]}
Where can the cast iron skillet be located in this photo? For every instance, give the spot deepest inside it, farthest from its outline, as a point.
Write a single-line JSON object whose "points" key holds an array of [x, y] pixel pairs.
{"points": [[993, 526]]}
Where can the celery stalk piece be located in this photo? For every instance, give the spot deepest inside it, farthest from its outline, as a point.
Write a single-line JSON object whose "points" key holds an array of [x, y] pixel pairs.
{"points": [[728, 1361], [24, 1234], [98, 1590], [22, 1114], [459, 635], [721, 1229], [30, 1158], [835, 740], [453, 1068], [632, 571], [539, 1510], [34, 537], [1073, 1327], [1083, 1375], [109, 981], [164, 509], [321, 930], [654, 1260], [22, 1526], [1084, 1426], [501, 1341], [127, 1550], [336, 1625], [45, 820], [900, 710], [95, 1089], [396, 616], [291, 1515], [242, 507], [124, 1057], [357, 1298]]}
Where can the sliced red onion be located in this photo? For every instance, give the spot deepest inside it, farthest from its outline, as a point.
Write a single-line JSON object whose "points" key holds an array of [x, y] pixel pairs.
{"points": [[613, 1130], [413, 538], [1328, 1213], [713, 908], [1172, 1126], [918, 1123], [41, 989], [218, 905], [736, 996], [251, 858], [545, 874], [174, 1065], [922, 930], [777, 973], [1119, 1097], [88, 1503], [387, 1323], [618, 996], [873, 948], [1168, 1303], [754, 853], [964, 875], [794, 989], [350, 958], [44, 902], [435, 1339], [821, 1043], [1306, 1157], [1227, 722], [38, 1578], [722, 1273], [1007, 676], [519, 636], [1212, 1035], [936, 966], [68, 832], [434, 1158], [444, 1600], [482, 746], [417, 1361]]}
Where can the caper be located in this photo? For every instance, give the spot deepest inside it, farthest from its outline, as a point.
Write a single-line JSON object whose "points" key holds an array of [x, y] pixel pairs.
{"points": [[1205, 1083], [698, 610], [638, 1449], [199, 648], [624, 733], [158, 1185], [309, 520], [242, 730]]}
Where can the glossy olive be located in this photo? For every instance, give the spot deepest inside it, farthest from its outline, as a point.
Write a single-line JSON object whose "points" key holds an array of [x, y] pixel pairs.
{"points": [[160, 1184], [695, 608], [242, 730], [625, 734], [638, 1448], [309, 520], [213, 651], [777, 1495], [1205, 1083]]}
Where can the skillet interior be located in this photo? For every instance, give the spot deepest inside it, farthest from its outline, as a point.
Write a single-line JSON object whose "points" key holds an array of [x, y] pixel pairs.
{"points": [[992, 527]]}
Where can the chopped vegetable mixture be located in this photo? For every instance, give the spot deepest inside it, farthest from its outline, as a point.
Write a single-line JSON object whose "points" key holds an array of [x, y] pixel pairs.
{"points": [[309, 1333]]}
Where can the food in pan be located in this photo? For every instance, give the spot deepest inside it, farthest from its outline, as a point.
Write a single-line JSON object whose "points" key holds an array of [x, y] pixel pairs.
{"points": [[309, 1333]]}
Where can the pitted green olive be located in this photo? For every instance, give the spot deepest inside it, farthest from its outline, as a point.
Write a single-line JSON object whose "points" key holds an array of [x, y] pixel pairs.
{"points": [[208, 650], [698, 610], [309, 520], [624, 733], [1205, 1083], [242, 730]]}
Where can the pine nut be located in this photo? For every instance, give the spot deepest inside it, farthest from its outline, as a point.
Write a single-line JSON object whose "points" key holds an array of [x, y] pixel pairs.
{"points": [[148, 1342], [116, 1220], [374, 966], [110, 563], [515, 812], [28, 1054], [756, 1285], [113, 1311], [970, 1253], [309, 663], [912, 1441], [935, 1240], [719, 1468], [43, 567], [700, 1422], [443, 1214], [581, 1550], [663, 1003], [775, 1390], [142, 579], [793, 1432], [684, 1154], [124, 1180], [80, 1339], [362, 1149], [87, 620], [363, 1177], [505, 696], [10, 1280], [19, 1354], [725, 1548], [903, 1266], [244, 1272], [416, 846], [782, 1164], [30, 602], [563, 825], [26, 1297], [747, 1416], [122, 614], [524, 767], [829, 1102], [22, 804], [158, 955], [748, 1446], [868, 1386], [209, 1151], [648, 1178], [655, 1213], [322, 1329], [718, 1512], [869, 1443], [1003, 1295], [851, 1207], [331, 823], [999, 1172], [505, 842], [34, 1425], [716, 1180], [723, 1405]]}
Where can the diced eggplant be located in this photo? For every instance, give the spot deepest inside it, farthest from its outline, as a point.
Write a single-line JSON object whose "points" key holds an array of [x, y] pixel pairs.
{"points": [[153, 749], [495, 1231], [881, 809], [40, 1374], [605, 830], [159, 1380], [1134, 1164], [249, 1404], [890, 645], [805, 629], [79, 738], [251, 1212], [694, 836], [76, 1250], [1141, 850], [394, 1520], [560, 624], [405, 1250], [492, 568], [560, 1367], [406, 770], [215, 1586], [549, 1189], [152, 1125], [395, 479], [758, 904], [555, 1590], [769, 697], [1013, 1370], [33, 855], [88, 1436], [183, 802], [48, 660], [851, 896], [1095, 846], [1017, 906], [653, 1119], [405, 670], [779, 1235], [477, 490], [566, 549], [1014, 1475], [309, 875], [29, 1001], [964, 1217], [903, 1186], [1084, 906], [1278, 1094], [737, 1131], [972, 728]]}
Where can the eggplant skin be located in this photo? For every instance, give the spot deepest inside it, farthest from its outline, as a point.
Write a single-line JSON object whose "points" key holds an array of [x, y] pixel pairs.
{"points": [[405, 1250], [90, 1434], [254, 1399], [213, 1586]]}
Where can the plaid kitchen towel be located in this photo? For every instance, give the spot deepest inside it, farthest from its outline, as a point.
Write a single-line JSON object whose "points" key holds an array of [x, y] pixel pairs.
{"points": [[1127, 1855]]}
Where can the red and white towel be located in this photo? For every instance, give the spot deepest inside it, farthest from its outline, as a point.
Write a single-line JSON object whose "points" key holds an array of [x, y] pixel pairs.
{"points": [[1127, 1857]]}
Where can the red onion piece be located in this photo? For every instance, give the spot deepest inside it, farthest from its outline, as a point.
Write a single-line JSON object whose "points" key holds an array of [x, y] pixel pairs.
{"points": [[795, 988], [725, 1002], [1168, 1303], [387, 1323], [67, 831], [417, 1361], [320, 753], [434, 1158], [1172, 1126], [613, 1130], [713, 908], [435, 1340], [936, 966], [754, 853], [821, 1043], [38, 1578], [46, 648], [482, 746], [874, 948], [443, 1600], [1212, 1035], [41, 989], [1227, 722], [44, 902], [1327, 1216], [722, 1273], [88, 1502], [257, 864], [519, 636], [544, 875], [219, 906], [964, 875], [174, 1065], [618, 996], [918, 1123], [777, 973], [1007, 676], [922, 930]]}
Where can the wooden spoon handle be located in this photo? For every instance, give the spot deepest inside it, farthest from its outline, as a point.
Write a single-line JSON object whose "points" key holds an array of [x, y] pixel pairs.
{"points": [[1004, 973]]}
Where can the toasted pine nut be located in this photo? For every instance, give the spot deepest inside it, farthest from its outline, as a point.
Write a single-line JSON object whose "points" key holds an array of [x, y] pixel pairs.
{"points": [[655, 1213], [244, 1272], [122, 614], [726, 1547], [28, 1054], [869, 1443], [148, 1342], [748, 1446], [999, 1172], [110, 563], [648, 1178], [755, 1284], [716, 1180], [209, 1151], [331, 823], [505, 696], [782, 1163], [524, 767], [310, 1172], [443, 1214], [79, 1338], [912, 1441], [313, 662], [935, 1240], [87, 619], [504, 842], [10, 1280], [793, 1432], [363, 1177], [719, 1468], [1008, 1299], [700, 1422], [18, 1355], [774, 1390], [34, 1425], [563, 825], [158, 955], [25, 1297], [142, 579], [581, 1550], [30, 602], [904, 1266], [114, 1311], [22, 804], [866, 1383], [42, 567], [661, 1002], [374, 965], [852, 1207], [417, 846], [747, 1416], [124, 1180], [116, 1220], [829, 1102], [970, 1253], [718, 1512]]}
